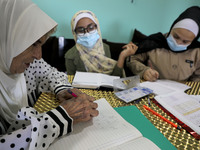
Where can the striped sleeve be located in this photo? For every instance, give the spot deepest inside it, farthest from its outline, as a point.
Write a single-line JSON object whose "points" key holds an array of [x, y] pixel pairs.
{"points": [[61, 87], [61, 117]]}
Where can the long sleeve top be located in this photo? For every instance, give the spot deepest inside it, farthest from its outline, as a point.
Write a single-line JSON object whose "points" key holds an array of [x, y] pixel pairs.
{"points": [[41, 77], [74, 63], [184, 66], [33, 130]]}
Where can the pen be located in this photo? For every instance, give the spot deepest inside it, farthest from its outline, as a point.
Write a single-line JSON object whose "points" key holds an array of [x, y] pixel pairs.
{"points": [[155, 113], [73, 94], [149, 101]]}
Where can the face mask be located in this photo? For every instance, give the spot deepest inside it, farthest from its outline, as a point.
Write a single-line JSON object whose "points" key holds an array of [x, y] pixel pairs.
{"points": [[88, 40], [174, 46]]}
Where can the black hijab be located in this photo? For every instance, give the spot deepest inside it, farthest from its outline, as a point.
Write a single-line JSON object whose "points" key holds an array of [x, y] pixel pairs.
{"points": [[158, 40]]}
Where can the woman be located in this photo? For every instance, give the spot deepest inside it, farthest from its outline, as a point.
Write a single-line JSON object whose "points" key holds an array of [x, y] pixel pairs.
{"points": [[24, 75], [90, 54], [175, 55]]}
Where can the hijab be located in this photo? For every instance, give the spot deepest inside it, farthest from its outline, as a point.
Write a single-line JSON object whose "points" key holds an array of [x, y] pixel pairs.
{"points": [[158, 40], [93, 59], [22, 24]]}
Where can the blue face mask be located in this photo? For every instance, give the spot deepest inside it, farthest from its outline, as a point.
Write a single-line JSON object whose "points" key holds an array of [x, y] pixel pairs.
{"points": [[174, 46], [88, 40]]}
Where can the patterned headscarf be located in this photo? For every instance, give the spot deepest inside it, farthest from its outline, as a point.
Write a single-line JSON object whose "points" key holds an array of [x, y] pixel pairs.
{"points": [[93, 59]]}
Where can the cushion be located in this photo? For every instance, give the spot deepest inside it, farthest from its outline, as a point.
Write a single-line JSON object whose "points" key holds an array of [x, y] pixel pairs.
{"points": [[138, 36]]}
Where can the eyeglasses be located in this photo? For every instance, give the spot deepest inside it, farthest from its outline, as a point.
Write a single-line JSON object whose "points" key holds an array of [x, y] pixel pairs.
{"points": [[90, 29]]}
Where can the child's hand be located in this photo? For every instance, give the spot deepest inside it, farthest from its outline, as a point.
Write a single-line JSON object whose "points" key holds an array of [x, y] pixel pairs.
{"points": [[129, 49], [151, 75]]}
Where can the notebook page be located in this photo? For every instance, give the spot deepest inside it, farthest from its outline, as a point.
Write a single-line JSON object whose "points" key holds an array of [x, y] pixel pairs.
{"points": [[162, 87], [137, 144], [197, 97], [184, 107], [107, 80], [157, 88], [107, 130], [173, 84]]}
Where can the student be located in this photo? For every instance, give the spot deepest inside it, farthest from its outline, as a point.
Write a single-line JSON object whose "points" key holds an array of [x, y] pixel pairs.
{"points": [[24, 75], [175, 55], [90, 54]]}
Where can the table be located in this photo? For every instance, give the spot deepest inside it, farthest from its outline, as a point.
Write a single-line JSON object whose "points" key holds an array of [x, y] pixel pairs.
{"points": [[180, 139]]}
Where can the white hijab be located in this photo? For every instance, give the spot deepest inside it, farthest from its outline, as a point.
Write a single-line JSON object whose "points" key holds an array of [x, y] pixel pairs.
{"points": [[22, 23]]}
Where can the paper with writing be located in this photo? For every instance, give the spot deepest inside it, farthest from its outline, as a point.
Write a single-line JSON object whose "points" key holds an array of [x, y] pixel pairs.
{"points": [[105, 131], [185, 107]]}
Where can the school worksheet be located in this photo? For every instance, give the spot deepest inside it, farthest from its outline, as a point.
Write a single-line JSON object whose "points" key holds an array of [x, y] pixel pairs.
{"points": [[183, 106]]}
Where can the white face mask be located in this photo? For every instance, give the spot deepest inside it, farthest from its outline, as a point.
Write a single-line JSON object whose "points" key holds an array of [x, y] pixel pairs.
{"points": [[174, 46]]}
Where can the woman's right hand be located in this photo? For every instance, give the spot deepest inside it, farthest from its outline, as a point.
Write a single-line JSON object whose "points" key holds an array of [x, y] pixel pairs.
{"points": [[129, 49], [81, 108], [150, 75]]}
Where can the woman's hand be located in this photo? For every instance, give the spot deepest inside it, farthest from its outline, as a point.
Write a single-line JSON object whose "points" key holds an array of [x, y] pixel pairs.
{"points": [[80, 108], [65, 95], [150, 75]]}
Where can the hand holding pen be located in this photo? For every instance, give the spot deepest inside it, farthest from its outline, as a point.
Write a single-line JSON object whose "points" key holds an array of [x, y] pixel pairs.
{"points": [[80, 108], [77, 93], [70, 93]]}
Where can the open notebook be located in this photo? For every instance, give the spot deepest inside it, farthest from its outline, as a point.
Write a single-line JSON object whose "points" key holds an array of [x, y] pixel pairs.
{"points": [[107, 131], [171, 96], [183, 106], [93, 80]]}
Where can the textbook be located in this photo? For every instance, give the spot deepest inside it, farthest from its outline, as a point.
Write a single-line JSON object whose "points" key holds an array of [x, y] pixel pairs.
{"points": [[184, 107], [172, 97], [106, 131], [93, 80]]}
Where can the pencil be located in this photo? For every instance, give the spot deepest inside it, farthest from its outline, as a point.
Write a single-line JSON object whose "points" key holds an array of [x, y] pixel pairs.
{"points": [[73, 94], [155, 113]]}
